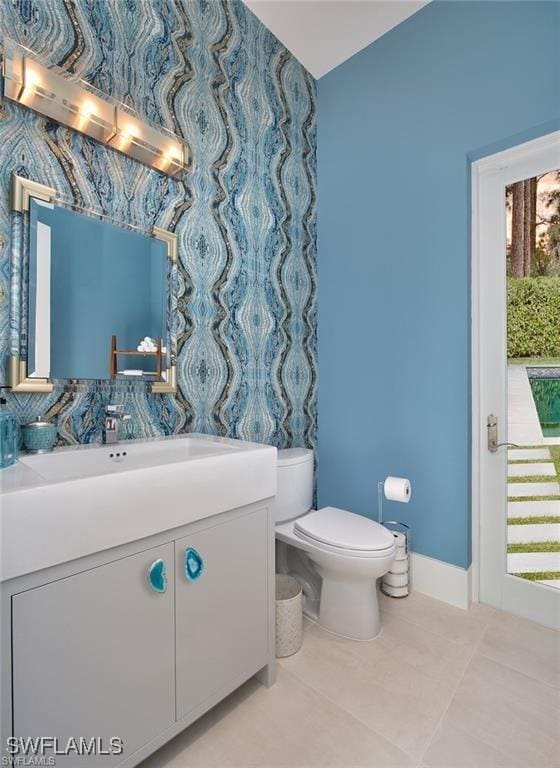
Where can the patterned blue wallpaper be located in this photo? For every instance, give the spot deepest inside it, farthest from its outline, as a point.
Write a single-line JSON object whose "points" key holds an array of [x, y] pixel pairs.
{"points": [[245, 215]]}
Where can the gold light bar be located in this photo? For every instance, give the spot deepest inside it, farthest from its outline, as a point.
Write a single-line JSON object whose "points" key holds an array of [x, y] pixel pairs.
{"points": [[52, 93]]}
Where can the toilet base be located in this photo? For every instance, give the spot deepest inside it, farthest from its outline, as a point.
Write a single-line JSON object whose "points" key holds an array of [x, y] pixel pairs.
{"points": [[339, 591], [349, 607], [311, 609]]}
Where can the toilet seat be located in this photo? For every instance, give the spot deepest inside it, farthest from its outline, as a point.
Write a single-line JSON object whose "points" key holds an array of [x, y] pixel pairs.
{"points": [[344, 532]]}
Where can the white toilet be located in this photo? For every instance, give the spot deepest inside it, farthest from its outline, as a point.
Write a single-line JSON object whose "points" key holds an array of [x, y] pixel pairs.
{"points": [[337, 556]]}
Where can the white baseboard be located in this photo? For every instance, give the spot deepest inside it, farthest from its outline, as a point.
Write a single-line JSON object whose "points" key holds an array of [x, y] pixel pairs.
{"points": [[441, 580]]}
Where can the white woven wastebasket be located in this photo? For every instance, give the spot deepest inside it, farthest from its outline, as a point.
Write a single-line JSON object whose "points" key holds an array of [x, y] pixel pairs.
{"points": [[289, 616]]}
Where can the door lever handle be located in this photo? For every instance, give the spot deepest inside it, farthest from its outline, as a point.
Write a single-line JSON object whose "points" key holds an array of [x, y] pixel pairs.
{"points": [[492, 428]]}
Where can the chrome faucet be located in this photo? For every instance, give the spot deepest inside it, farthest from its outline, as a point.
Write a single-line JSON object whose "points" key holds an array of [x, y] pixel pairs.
{"points": [[113, 414]]}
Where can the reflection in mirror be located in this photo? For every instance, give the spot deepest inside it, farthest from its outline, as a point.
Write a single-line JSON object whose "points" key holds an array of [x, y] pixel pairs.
{"points": [[91, 280]]}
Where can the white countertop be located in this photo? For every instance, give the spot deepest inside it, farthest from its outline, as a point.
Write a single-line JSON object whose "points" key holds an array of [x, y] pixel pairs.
{"points": [[77, 501]]}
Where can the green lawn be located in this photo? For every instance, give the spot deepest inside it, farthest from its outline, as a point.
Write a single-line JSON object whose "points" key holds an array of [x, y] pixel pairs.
{"points": [[534, 498], [533, 479], [532, 361], [540, 546], [534, 546], [539, 576], [555, 455]]}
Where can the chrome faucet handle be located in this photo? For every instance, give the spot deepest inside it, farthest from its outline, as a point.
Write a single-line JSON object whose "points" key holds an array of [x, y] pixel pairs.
{"points": [[114, 409], [116, 412], [113, 415]]}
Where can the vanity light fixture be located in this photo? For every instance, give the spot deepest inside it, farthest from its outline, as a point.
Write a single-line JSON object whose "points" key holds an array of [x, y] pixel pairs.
{"points": [[159, 148], [51, 92]]}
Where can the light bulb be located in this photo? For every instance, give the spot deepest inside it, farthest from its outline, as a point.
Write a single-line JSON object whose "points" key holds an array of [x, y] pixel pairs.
{"points": [[84, 116], [30, 81], [87, 109], [171, 155], [129, 133]]}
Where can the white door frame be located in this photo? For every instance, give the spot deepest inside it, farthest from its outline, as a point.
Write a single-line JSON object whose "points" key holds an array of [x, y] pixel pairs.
{"points": [[487, 176]]}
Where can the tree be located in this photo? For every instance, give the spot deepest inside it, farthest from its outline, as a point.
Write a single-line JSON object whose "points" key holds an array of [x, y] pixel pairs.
{"points": [[523, 226], [530, 224], [551, 198], [544, 258], [526, 256], [517, 259]]}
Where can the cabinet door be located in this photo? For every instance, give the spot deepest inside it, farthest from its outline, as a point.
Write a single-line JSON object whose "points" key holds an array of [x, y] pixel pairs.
{"points": [[93, 656], [221, 616]]}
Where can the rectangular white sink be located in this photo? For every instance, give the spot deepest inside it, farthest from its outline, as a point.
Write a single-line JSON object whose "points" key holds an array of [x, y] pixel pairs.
{"points": [[89, 461], [74, 502]]}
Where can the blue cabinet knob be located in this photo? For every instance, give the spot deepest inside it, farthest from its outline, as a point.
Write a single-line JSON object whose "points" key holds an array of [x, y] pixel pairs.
{"points": [[157, 576], [194, 564]]}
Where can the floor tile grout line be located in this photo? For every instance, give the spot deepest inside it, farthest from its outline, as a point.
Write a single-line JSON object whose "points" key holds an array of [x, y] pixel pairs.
{"points": [[386, 643], [353, 716], [456, 688], [476, 648], [554, 687], [433, 631], [431, 677], [505, 666]]}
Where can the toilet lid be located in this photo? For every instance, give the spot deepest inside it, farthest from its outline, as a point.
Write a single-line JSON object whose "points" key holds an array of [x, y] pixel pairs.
{"points": [[345, 530]]}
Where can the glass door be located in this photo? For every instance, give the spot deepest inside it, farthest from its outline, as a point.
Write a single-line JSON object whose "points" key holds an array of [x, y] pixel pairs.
{"points": [[516, 379], [532, 209]]}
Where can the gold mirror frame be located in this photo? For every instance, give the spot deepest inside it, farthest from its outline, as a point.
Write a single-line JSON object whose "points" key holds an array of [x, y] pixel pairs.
{"points": [[22, 190]]}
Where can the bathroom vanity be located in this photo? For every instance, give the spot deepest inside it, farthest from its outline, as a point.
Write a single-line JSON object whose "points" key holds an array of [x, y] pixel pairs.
{"points": [[137, 585]]}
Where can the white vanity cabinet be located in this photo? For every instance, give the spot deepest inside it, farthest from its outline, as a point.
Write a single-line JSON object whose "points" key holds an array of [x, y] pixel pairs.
{"points": [[97, 649], [93, 655], [221, 607]]}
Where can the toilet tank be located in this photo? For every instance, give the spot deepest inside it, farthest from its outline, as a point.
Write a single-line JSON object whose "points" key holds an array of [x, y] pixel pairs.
{"points": [[294, 493]]}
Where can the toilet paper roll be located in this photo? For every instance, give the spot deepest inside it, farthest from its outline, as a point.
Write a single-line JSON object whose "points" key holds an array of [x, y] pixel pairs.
{"points": [[395, 591], [397, 489], [400, 542], [396, 579], [400, 566]]}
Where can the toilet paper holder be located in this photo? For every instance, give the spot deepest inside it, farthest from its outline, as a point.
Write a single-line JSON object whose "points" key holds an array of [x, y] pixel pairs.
{"points": [[396, 583]]}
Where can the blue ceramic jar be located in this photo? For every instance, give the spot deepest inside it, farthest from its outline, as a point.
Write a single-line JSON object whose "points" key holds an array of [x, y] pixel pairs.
{"points": [[39, 436]]}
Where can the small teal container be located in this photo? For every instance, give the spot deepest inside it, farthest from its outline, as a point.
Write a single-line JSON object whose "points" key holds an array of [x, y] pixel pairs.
{"points": [[39, 436], [9, 439]]}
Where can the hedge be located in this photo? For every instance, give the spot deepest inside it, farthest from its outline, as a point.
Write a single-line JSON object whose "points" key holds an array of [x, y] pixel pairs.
{"points": [[533, 317]]}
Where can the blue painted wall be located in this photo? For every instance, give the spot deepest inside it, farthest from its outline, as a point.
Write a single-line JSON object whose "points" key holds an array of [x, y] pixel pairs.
{"points": [[398, 125]]}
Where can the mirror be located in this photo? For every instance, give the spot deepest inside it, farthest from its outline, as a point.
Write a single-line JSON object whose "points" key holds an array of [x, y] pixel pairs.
{"points": [[90, 280], [91, 291]]}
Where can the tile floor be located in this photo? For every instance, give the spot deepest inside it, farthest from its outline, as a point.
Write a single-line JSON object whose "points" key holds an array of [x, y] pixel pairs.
{"points": [[439, 688]]}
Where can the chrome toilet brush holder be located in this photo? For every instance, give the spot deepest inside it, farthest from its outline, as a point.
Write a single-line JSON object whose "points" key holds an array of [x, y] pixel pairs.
{"points": [[396, 582]]}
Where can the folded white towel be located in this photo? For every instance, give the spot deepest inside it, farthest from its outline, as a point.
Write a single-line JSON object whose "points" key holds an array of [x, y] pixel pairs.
{"points": [[147, 345]]}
